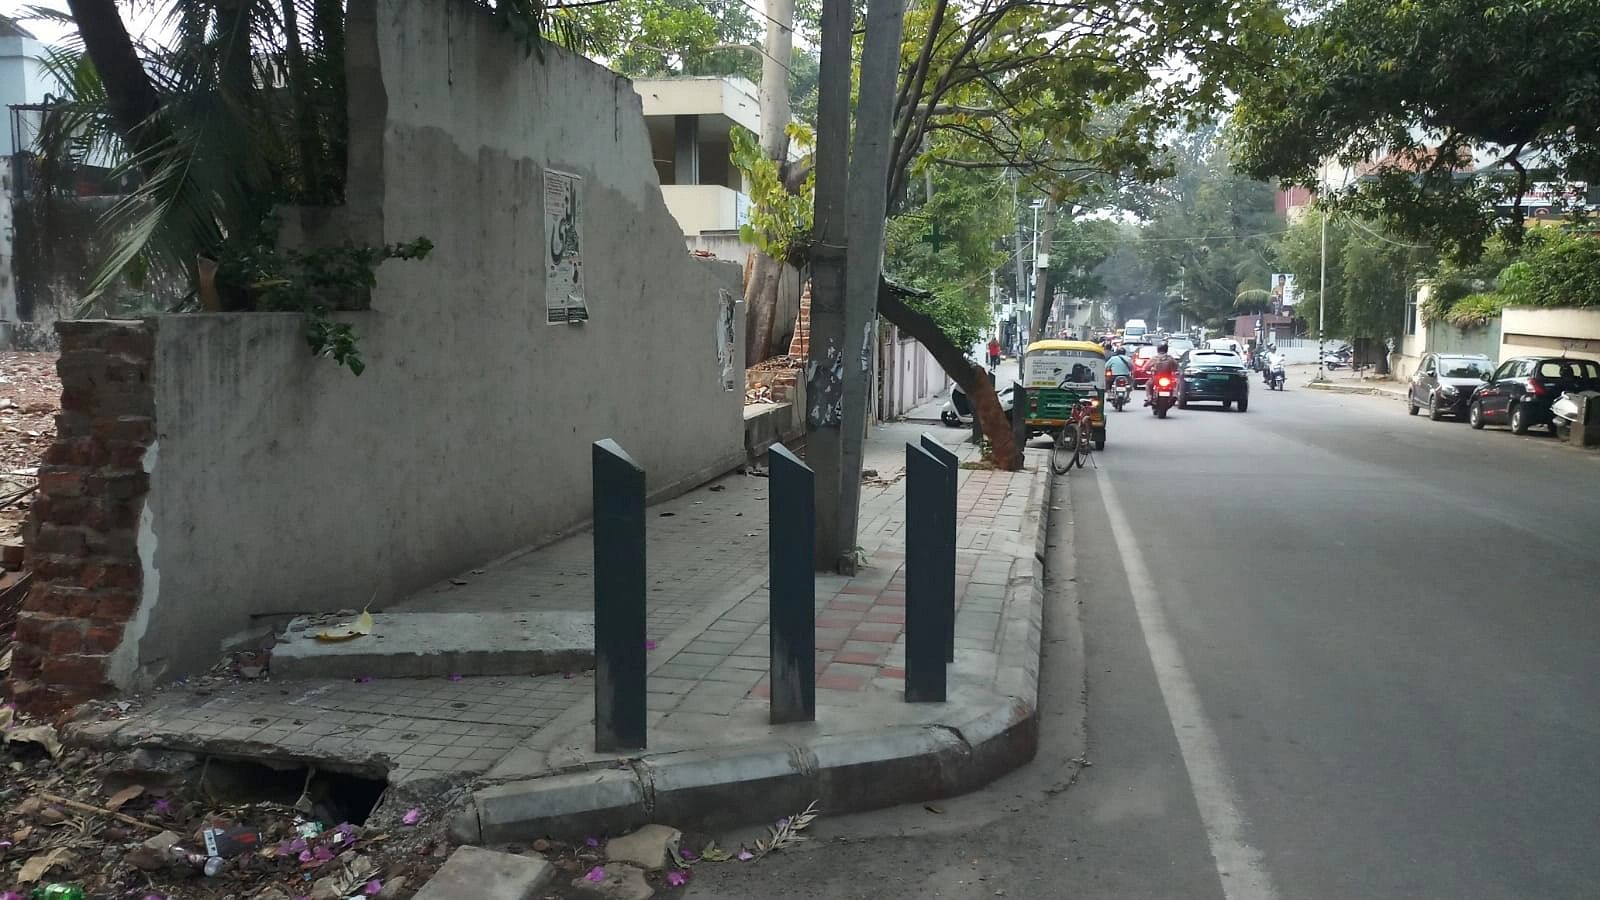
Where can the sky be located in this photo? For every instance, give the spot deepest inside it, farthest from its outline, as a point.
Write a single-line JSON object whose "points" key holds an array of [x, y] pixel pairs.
{"points": [[139, 16]]}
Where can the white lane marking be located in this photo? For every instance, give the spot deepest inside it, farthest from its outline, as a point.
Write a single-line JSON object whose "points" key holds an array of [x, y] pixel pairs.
{"points": [[1239, 865]]}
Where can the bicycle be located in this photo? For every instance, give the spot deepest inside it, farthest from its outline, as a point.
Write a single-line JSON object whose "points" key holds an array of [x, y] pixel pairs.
{"points": [[1074, 439]]}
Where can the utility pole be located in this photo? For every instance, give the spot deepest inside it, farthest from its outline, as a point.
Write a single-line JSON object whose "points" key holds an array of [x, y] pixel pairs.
{"points": [[1043, 292], [869, 197], [761, 291], [825, 361], [1021, 295], [1322, 295]]}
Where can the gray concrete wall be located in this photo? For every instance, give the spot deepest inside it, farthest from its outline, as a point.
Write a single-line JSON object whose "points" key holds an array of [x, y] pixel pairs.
{"points": [[280, 483]]}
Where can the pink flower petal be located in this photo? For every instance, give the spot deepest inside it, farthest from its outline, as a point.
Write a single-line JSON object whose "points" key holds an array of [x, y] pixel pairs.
{"points": [[323, 854], [363, 679], [412, 816], [745, 856], [455, 676], [649, 645], [372, 888], [688, 854], [677, 877], [591, 842], [305, 856], [161, 807], [596, 874]]}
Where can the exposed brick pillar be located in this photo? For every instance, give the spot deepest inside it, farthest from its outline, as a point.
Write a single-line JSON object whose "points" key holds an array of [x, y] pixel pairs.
{"points": [[87, 576], [800, 343]]}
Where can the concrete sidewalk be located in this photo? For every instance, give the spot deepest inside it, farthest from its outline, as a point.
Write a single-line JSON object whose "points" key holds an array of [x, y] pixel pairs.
{"points": [[525, 743], [1345, 381]]}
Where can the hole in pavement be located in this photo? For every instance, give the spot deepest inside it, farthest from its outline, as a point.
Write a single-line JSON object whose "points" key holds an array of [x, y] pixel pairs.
{"points": [[321, 794]]}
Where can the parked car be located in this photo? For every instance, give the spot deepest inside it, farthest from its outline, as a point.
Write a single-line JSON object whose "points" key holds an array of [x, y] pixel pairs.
{"points": [[1520, 392], [1444, 383], [1214, 375]]}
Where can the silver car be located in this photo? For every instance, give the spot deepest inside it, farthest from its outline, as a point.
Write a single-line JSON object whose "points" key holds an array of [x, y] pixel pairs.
{"points": [[1444, 383]]}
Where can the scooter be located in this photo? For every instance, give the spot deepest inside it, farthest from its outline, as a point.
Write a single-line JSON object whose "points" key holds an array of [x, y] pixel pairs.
{"points": [[1564, 411], [1121, 391], [1163, 395], [957, 411]]}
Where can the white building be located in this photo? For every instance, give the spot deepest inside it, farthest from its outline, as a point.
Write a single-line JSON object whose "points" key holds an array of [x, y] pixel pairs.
{"points": [[689, 120]]}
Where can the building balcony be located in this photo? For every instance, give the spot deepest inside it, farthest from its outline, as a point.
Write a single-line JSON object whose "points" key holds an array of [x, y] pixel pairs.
{"points": [[706, 207]]}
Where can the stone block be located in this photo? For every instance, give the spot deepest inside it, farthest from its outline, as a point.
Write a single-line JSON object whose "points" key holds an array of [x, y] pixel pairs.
{"points": [[646, 848], [431, 645], [473, 873]]}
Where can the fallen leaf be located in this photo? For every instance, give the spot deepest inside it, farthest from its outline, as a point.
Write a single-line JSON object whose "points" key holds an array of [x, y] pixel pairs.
{"points": [[42, 735], [124, 797], [458, 581], [5, 660], [22, 834], [348, 630], [936, 810], [39, 866]]}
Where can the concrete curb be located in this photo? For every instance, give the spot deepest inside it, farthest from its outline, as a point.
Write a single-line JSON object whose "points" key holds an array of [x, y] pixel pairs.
{"points": [[1392, 393], [721, 787]]}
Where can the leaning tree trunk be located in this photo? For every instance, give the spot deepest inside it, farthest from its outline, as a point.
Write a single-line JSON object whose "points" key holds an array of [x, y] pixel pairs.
{"points": [[971, 378]]}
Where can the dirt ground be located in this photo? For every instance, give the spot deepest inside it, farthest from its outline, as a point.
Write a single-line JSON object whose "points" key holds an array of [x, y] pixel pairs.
{"points": [[30, 395]]}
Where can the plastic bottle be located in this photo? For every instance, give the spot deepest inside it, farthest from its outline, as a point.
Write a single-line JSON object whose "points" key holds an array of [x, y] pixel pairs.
{"points": [[58, 892]]}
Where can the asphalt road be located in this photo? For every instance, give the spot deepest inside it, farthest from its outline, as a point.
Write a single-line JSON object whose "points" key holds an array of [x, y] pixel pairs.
{"points": [[1316, 650]]}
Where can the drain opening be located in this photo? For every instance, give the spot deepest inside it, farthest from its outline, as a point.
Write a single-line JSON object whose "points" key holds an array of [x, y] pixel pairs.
{"points": [[327, 796]]}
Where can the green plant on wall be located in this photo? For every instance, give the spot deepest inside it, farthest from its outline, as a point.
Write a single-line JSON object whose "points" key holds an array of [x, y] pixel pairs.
{"points": [[780, 220], [314, 283]]}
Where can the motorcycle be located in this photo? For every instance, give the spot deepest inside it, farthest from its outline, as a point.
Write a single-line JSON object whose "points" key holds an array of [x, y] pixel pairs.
{"points": [[1121, 391], [957, 411], [1276, 377], [1163, 395]]}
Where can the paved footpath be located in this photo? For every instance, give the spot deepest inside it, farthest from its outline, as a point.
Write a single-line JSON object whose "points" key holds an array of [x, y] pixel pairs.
{"points": [[526, 743]]}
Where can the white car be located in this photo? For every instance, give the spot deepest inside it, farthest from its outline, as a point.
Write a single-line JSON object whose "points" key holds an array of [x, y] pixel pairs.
{"points": [[1228, 344]]}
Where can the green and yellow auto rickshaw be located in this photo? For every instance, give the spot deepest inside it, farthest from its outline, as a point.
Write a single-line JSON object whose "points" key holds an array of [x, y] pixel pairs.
{"points": [[1060, 373]]}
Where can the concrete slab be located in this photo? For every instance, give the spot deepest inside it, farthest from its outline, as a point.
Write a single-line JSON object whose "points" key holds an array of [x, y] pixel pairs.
{"points": [[426, 645], [473, 873]]}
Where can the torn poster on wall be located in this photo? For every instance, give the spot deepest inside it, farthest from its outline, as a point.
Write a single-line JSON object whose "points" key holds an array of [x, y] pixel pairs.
{"points": [[563, 229], [727, 339]]}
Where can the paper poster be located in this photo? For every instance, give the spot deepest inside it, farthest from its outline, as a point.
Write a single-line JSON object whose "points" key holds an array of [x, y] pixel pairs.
{"points": [[563, 229], [1050, 369]]}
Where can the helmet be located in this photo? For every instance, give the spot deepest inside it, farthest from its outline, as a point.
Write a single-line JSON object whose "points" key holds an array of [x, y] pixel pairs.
{"points": [[1161, 347]]}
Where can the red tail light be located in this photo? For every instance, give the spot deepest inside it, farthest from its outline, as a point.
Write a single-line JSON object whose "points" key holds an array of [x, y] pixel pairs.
{"points": [[1164, 381], [1535, 386]]}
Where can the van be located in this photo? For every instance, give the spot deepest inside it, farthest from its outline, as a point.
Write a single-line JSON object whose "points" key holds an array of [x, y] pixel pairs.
{"points": [[1135, 328]]}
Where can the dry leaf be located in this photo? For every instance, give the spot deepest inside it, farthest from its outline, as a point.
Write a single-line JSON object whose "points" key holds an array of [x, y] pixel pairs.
{"points": [[5, 660], [43, 735], [348, 630], [124, 797], [39, 866], [21, 834]]}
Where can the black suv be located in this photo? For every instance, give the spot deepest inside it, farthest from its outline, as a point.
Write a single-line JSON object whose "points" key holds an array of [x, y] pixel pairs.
{"points": [[1520, 392]]}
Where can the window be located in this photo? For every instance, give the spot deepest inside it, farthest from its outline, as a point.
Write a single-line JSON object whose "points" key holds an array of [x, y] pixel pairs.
{"points": [[1551, 369], [1463, 367], [1508, 369], [1427, 365]]}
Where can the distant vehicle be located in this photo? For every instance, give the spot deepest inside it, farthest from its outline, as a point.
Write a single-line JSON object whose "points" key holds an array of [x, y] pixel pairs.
{"points": [[1519, 393], [1141, 363], [1225, 344], [1135, 328], [1178, 346], [1445, 382], [1215, 376]]}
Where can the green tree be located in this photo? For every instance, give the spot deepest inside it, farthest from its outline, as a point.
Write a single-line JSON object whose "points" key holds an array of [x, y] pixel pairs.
{"points": [[1416, 89], [947, 248]]}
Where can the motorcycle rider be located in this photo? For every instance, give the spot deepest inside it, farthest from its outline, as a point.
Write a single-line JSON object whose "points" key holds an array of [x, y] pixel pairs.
{"points": [[1277, 361], [1162, 362]]}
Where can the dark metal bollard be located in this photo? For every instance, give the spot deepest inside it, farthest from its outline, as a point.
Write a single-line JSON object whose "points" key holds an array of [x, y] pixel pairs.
{"points": [[619, 632], [1019, 415], [792, 523], [943, 560], [925, 640]]}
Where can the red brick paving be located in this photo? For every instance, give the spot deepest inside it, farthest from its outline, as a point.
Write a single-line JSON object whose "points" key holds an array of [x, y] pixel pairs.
{"points": [[862, 659]]}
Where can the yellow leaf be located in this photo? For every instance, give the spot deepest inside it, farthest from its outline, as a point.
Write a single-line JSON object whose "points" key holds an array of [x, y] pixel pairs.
{"points": [[348, 630], [39, 866]]}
